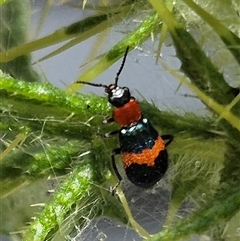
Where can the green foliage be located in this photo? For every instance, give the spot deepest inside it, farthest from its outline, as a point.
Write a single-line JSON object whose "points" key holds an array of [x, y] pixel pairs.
{"points": [[15, 22], [56, 135]]}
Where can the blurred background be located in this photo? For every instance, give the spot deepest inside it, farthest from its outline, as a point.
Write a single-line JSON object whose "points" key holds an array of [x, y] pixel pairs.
{"points": [[141, 74], [146, 79]]}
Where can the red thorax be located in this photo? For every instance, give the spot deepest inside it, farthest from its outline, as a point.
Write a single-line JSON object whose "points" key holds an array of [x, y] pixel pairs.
{"points": [[127, 114]]}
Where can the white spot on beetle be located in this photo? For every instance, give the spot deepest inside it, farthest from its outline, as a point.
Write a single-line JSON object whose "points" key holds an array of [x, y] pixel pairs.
{"points": [[117, 92], [123, 131], [132, 129]]}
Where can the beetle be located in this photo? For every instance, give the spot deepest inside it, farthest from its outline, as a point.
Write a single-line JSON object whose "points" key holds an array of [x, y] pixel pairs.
{"points": [[143, 150]]}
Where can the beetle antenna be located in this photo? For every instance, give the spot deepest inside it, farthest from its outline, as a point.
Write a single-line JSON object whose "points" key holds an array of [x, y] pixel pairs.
{"points": [[122, 65], [117, 76], [92, 84]]}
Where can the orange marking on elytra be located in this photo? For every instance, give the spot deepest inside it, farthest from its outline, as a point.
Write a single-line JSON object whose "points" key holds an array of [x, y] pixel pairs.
{"points": [[147, 156], [127, 114]]}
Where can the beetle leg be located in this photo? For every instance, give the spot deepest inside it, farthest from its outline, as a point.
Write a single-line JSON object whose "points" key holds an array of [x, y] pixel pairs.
{"points": [[111, 133], [116, 152], [167, 137], [114, 166], [108, 120]]}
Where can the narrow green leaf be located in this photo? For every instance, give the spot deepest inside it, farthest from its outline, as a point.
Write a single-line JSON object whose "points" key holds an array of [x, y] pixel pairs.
{"points": [[63, 34], [141, 34], [194, 62]]}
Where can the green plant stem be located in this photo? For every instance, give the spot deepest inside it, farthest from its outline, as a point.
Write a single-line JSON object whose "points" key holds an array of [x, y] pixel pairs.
{"points": [[61, 111], [204, 150], [75, 189], [36, 161]]}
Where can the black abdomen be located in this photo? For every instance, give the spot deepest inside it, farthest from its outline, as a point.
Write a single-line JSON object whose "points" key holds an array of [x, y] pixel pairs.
{"points": [[146, 176]]}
